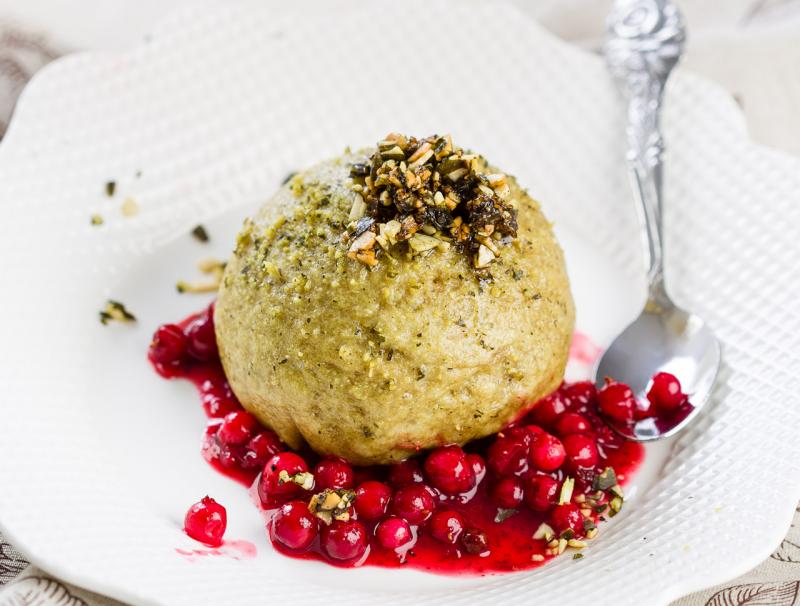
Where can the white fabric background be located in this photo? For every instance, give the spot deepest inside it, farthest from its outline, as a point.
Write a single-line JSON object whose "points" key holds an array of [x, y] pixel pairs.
{"points": [[752, 47]]}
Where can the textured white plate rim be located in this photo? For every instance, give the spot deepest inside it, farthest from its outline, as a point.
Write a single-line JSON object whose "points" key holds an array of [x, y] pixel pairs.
{"points": [[63, 572], [74, 575]]}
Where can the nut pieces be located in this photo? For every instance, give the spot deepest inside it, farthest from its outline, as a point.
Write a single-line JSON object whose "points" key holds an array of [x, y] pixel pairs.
{"points": [[431, 195], [330, 505]]}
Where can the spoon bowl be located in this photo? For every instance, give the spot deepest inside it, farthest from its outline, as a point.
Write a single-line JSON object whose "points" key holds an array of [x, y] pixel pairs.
{"points": [[664, 338]]}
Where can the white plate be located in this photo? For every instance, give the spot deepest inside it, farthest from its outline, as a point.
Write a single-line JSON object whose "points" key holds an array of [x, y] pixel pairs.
{"points": [[100, 456]]}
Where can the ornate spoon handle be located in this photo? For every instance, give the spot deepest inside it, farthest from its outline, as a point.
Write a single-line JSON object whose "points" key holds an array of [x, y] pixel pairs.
{"points": [[645, 41]]}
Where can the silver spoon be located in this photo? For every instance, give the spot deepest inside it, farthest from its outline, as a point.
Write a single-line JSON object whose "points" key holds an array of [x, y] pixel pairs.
{"points": [[645, 41]]}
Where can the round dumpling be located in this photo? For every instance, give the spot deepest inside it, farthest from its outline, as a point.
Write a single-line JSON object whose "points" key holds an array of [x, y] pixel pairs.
{"points": [[392, 300]]}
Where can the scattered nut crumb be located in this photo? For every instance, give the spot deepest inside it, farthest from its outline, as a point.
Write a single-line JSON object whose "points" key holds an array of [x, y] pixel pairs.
{"points": [[200, 234], [115, 311], [130, 208], [207, 265]]}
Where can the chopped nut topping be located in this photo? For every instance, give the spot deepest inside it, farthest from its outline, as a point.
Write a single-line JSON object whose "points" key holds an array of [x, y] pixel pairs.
{"points": [[607, 482], [114, 310], [207, 265], [537, 557], [545, 532], [503, 514], [130, 208], [422, 243], [303, 479], [210, 265], [483, 257], [616, 506], [429, 186], [358, 209], [362, 249], [200, 234], [566, 491], [330, 505], [604, 480], [198, 287]]}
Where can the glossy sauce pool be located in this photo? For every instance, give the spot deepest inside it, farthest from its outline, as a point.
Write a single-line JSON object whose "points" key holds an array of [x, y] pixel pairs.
{"points": [[509, 532]]}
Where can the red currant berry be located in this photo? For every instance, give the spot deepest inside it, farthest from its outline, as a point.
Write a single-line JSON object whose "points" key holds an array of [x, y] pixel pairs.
{"points": [[446, 526], [508, 455], [344, 540], [617, 402], [581, 451], [581, 394], [523, 433], [218, 400], [572, 422], [168, 347], [567, 517], [547, 452], [414, 503], [508, 493], [372, 500], [273, 490], [546, 410], [449, 470], [261, 448], [294, 526], [406, 472], [394, 533], [644, 409], [333, 473], [202, 341], [206, 521], [541, 493], [478, 466], [237, 427], [665, 392], [230, 456]]}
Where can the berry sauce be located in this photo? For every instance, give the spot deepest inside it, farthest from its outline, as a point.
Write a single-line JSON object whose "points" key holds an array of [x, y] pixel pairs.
{"points": [[539, 488]]}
